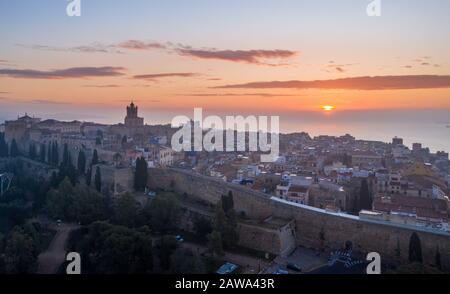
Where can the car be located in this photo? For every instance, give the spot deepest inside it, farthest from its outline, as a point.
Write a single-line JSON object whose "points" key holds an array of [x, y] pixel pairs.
{"points": [[294, 267], [281, 271]]}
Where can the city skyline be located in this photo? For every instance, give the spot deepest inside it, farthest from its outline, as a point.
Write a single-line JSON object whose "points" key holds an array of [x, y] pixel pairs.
{"points": [[286, 58]]}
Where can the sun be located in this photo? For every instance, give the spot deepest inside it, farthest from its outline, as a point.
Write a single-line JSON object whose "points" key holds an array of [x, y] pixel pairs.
{"points": [[328, 107]]}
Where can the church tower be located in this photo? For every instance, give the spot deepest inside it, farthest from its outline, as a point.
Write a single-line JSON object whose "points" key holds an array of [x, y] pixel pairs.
{"points": [[132, 119]]}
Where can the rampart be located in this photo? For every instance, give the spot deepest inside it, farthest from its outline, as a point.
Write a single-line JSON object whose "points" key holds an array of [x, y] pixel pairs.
{"points": [[315, 228]]}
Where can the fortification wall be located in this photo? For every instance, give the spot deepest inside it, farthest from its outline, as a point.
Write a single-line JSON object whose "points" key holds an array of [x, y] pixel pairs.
{"points": [[336, 230]]}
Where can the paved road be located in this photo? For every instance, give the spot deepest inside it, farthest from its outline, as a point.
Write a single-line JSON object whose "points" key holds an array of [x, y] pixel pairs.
{"points": [[51, 259]]}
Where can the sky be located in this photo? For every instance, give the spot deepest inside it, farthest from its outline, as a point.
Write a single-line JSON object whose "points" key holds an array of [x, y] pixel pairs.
{"points": [[284, 57]]}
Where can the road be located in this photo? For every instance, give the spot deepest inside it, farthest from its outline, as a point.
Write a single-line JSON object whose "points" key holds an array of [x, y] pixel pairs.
{"points": [[50, 260]]}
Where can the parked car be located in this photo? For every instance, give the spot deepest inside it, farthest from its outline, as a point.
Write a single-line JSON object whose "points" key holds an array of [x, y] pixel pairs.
{"points": [[281, 271], [294, 267]]}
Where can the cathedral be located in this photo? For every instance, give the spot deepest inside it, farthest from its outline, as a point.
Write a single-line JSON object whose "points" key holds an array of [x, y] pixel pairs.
{"points": [[132, 120]]}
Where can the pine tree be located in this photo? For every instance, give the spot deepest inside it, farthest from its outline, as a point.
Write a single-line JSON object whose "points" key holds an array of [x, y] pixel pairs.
{"points": [[88, 176], [415, 248], [14, 150], [94, 158], [364, 196], [32, 153], [3, 146], [81, 164], [98, 180], [42, 153], [49, 153], [66, 155], [55, 154], [141, 174], [438, 259]]}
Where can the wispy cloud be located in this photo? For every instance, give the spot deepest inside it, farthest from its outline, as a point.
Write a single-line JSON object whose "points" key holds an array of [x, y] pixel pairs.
{"points": [[236, 95], [256, 56], [102, 86], [340, 68], [74, 72], [140, 45], [91, 48], [45, 101], [261, 57], [155, 77], [354, 83]]}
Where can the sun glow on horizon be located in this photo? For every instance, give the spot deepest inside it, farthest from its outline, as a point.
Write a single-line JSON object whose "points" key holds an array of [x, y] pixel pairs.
{"points": [[328, 107]]}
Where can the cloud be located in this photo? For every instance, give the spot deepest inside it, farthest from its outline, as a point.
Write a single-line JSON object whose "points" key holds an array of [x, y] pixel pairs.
{"points": [[341, 68], [257, 56], [237, 95], [92, 48], [74, 72], [154, 77], [102, 86], [354, 83], [245, 56], [140, 45], [44, 101]]}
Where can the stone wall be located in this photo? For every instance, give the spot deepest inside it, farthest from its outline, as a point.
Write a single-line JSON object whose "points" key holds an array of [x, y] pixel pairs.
{"points": [[310, 223]]}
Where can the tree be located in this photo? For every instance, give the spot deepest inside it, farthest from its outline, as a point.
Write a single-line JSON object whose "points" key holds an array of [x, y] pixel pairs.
{"points": [[3, 146], [166, 246], [225, 222], [66, 156], [89, 205], [398, 252], [14, 150], [42, 153], [60, 202], [32, 152], [126, 210], [21, 253], [89, 176], [215, 243], [55, 154], [162, 213], [415, 249], [94, 158], [202, 227], [183, 261], [364, 196], [49, 153], [227, 202], [112, 249], [67, 169], [98, 179], [81, 164], [141, 174], [438, 259]]}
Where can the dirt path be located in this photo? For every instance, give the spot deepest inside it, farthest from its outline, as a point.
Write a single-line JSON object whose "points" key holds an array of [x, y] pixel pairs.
{"points": [[50, 260]]}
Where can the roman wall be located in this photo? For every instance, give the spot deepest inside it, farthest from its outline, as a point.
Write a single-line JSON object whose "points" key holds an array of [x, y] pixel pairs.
{"points": [[311, 224]]}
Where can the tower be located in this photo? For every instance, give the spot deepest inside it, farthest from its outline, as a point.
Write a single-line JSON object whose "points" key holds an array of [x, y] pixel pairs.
{"points": [[132, 119]]}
